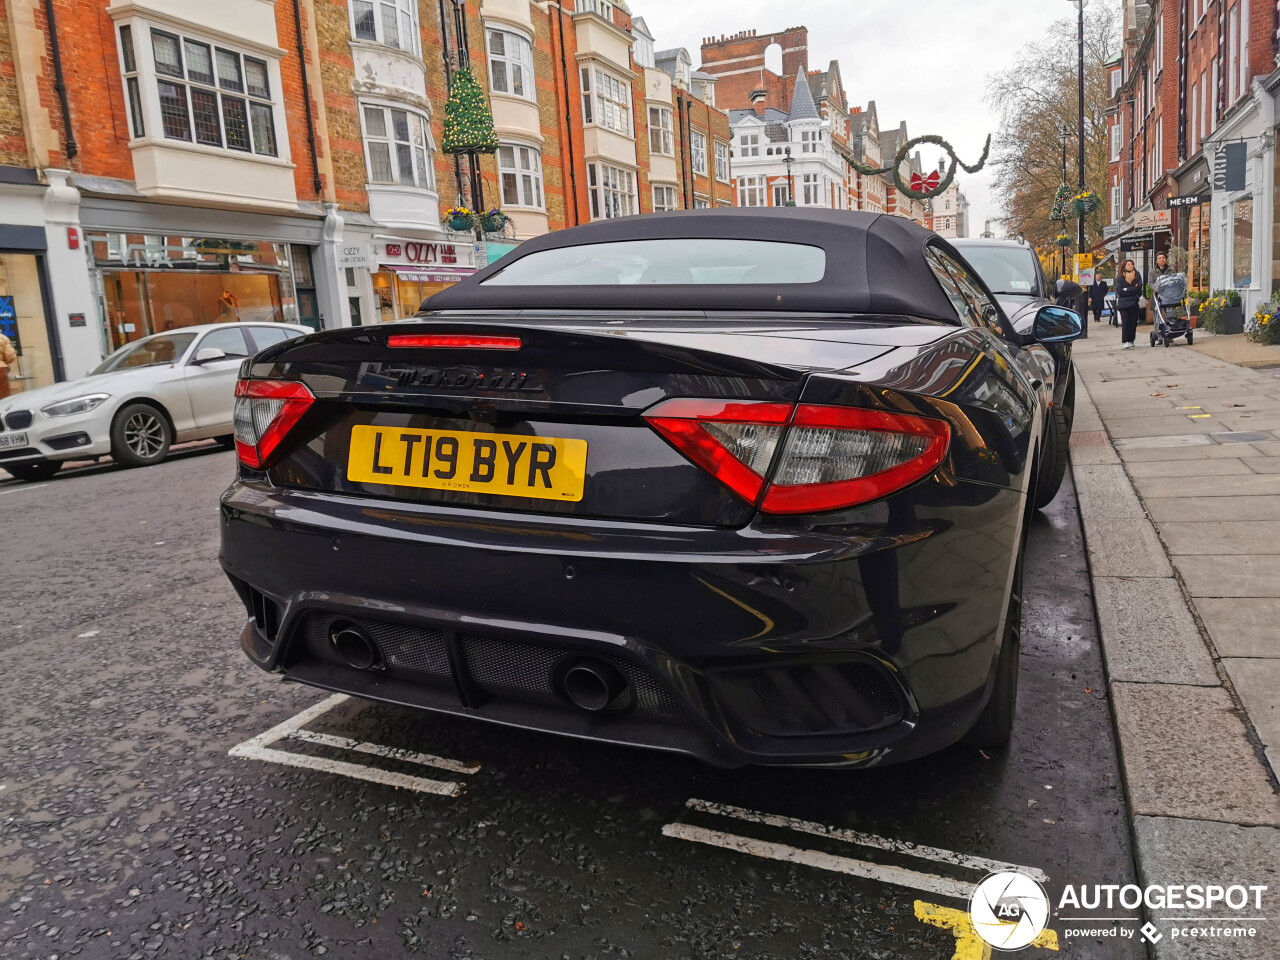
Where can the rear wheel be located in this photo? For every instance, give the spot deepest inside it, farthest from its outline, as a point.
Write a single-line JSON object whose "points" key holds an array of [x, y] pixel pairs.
{"points": [[1190, 338], [34, 470], [1057, 439], [1167, 341], [995, 723], [140, 436]]}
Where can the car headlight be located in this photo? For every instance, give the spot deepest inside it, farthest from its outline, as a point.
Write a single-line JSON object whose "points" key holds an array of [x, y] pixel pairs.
{"points": [[66, 408]]}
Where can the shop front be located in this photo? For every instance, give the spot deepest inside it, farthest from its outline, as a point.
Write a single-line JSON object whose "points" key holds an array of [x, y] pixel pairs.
{"points": [[409, 271], [150, 283], [24, 315], [1192, 221]]}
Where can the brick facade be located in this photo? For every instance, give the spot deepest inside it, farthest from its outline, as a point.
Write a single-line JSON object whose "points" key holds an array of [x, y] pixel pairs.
{"points": [[738, 64]]}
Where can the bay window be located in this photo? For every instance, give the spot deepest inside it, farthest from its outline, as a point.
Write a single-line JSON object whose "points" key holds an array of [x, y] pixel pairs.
{"points": [[520, 170], [511, 64], [397, 144], [660, 131], [392, 23], [606, 100], [208, 94], [612, 189]]}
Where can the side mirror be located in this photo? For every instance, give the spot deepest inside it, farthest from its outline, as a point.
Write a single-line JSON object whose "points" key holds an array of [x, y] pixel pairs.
{"points": [[208, 355], [1057, 325]]}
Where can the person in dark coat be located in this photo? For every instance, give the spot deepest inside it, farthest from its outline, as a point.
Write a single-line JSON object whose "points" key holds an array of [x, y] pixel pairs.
{"points": [[1097, 298], [1129, 289]]}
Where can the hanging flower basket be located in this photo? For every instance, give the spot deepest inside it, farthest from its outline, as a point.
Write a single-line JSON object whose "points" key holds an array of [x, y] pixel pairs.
{"points": [[1063, 240], [494, 220], [460, 219], [1085, 202]]}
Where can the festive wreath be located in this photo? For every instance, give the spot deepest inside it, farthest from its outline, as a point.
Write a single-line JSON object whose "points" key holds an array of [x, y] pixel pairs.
{"points": [[922, 187]]}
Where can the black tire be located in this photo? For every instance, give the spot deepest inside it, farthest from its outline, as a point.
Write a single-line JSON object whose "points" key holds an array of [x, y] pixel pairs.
{"points": [[140, 436], [1153, 338], [34, 470], [1190, 338], [227, 441], [1054, 462], [1167, 341], [1069, 401], [995, 724]]}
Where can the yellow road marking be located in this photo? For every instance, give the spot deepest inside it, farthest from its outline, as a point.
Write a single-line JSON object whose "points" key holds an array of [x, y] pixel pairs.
{"points": [[1199, 416], [970, 946], [1192, 407]]}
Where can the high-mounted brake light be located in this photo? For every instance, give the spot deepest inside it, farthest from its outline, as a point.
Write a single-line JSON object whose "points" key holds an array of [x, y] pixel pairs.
{"points": [[831, 457], [265, 411], [454, 341]]}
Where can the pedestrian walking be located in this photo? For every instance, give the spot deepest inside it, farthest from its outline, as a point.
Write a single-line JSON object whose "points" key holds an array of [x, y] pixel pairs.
{"points": [[1129, 287], [7, 356], [1161, 268], [1097, 298]]}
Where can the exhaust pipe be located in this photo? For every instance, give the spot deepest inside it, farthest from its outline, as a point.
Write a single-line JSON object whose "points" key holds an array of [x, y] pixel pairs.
{"points": [[593, 684], [354, 645]]}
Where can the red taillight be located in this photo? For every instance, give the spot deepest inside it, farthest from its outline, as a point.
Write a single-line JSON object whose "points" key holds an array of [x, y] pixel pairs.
{"points": [[831, 457], [265, 412], [454, 341]]}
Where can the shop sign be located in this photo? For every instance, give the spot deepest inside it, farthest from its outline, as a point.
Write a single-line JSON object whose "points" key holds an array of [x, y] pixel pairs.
{"points": [[1229, 173], [425, 254], [1189, 200], [432, 276], [1136, 244], [1151, 220], [1110, 230], [355, 255], [9, 323]]}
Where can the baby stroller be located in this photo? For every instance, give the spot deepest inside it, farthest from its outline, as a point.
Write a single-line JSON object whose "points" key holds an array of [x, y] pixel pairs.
{"points": [[1171, 316]]}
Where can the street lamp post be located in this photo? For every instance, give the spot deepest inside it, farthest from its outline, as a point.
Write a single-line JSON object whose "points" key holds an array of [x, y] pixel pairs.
{"points": [[1064, 138], [791, 186], [1080, 5]]}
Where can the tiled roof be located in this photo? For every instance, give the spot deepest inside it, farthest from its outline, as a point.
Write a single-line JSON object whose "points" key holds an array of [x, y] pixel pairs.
{"points": [[802, 105]]}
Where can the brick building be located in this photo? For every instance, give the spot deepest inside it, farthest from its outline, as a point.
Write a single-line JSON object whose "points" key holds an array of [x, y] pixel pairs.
{"points": [[281, 160], [1192, 77]]}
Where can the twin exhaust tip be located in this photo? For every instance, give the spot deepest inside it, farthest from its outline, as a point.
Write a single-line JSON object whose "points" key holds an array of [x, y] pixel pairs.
{"points": [[589, 684]]}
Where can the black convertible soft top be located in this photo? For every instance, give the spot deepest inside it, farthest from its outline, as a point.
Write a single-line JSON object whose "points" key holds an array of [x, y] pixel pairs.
{"points": [[875, 265]]}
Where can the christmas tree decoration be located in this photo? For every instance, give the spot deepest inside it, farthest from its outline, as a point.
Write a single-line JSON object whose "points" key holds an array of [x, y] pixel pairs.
{"points": [[468, 121], [1061, 201], [921, 188]]}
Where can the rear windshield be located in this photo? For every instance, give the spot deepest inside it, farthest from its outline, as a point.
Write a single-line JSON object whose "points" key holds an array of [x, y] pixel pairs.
{"points": [[1006, 270], [683, 262]]}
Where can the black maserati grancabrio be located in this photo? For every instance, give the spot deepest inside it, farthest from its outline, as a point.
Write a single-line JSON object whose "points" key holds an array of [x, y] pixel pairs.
{"points": [[747, 485]]}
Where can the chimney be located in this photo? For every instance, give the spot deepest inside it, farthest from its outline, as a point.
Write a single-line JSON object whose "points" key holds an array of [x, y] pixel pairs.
{"points": [[757, 101]]}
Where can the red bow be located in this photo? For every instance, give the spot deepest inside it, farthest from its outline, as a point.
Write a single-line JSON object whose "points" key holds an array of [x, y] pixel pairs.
{"points": [[925, 184]]}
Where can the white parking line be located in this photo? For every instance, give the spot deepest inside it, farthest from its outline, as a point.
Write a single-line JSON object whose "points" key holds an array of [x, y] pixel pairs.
{"points": [[883, 873], [20, 489], [898, 876], [865, 839], [259, 748]]}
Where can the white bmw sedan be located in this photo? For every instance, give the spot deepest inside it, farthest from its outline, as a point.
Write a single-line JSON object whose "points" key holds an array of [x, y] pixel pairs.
{"points": [[164, 389]]}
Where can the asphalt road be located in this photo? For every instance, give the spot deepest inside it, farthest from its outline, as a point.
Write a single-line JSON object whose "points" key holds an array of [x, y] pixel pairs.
{"points": [[128, 831]]}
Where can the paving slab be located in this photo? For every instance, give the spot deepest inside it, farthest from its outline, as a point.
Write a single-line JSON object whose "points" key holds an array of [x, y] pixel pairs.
{"points": [[1125, 548], [1230, 576], [1106, 494], [1172, 850], [1125, 444], [1158, 427], [1200, 467], [1185, 754], [1251, 486], [1242, 626], [1227, 536], [1198, 451], [1192, 506], [1148, 634], [1092, 447], [1257, 683], [1265, 465]]}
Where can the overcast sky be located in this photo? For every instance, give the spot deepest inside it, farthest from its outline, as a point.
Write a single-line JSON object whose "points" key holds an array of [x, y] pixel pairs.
{"points": [[922, 61]]}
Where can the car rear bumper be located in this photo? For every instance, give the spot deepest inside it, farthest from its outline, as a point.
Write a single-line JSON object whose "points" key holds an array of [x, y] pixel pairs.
{"points": [[867, 638]]}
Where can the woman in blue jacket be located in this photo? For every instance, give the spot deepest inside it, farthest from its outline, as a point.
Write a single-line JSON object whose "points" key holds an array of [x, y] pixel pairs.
{"points": [[1129, 289]]}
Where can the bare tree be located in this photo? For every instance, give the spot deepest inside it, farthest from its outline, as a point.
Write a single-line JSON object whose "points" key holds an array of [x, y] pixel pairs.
{"points": [[1035, 97]]}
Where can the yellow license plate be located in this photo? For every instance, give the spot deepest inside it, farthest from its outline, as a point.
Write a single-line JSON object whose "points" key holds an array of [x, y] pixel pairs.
{"points": [[506, 464]]}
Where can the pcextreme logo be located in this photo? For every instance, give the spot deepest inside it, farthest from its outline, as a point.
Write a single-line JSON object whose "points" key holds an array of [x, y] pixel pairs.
{"points": [[1008, 910]]}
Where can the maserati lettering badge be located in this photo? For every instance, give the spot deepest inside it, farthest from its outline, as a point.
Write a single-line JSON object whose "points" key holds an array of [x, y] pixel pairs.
{"points": [[463, 378]]}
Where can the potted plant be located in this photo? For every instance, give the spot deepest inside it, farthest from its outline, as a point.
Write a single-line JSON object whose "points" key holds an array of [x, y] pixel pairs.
{"points": [[493, 220], [1232, 312], [1086, 201], [459, 218], [1211, 314], [1264, 326]]}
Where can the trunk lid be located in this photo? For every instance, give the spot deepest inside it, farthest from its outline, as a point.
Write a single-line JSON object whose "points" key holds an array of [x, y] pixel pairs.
{"points": [[554, 427]]}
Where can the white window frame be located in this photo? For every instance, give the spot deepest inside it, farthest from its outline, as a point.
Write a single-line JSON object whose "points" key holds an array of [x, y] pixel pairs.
{"points": [[701, 203], [664, 198], [752, 188], [749, 143], [698, 152], [1116, 213], [261, 118], [811, 190], [810, 141], [608, 108], [525, 173], [1116, 137], [662, 132], [612, 190], [722, 161], [1160, 42], [404, 16], [389, 137], [601, 7], [513, 66], [781, 194]]}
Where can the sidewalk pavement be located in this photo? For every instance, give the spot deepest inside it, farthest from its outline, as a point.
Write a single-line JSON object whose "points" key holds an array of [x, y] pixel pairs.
{"points": [[1236, 349], [1176, 459]]}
